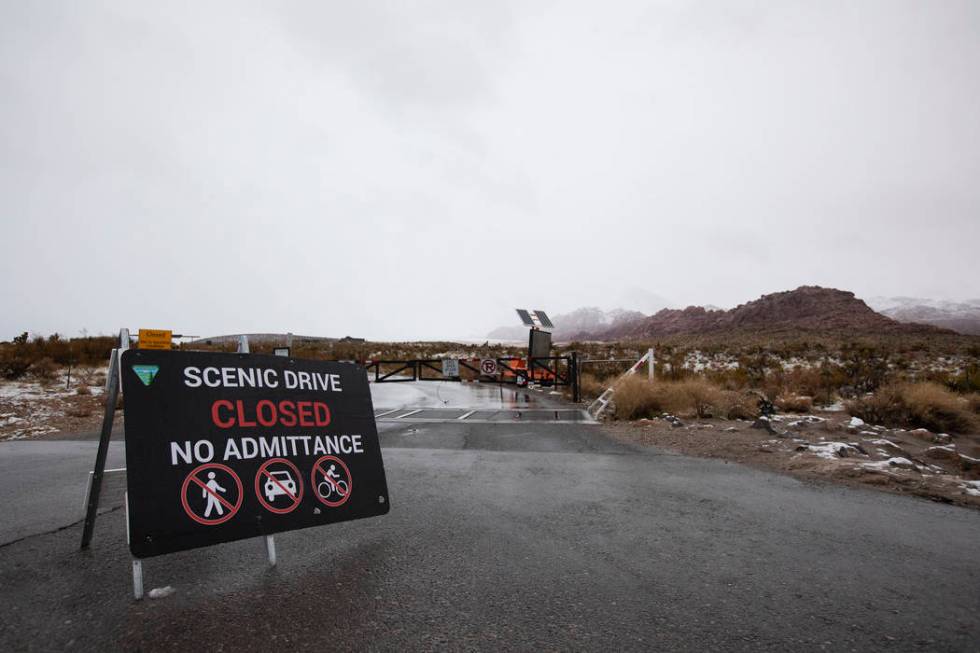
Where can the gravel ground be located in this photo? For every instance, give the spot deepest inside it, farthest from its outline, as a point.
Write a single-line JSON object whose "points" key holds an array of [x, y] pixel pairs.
{"points": [[828, 446]]}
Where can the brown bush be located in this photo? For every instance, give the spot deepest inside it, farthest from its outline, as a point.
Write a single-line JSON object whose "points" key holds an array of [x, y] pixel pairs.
{"points": [[44, 369], [695, 396], [737, 405], [973, 403], [590, 387], [83, 390], [636, 398], [794, 404], [79, 411], [936, 408], [916, 405]]}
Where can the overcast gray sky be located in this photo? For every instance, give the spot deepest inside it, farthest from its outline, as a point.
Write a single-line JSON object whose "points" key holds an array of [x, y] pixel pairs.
{"points": [[417, 169]]}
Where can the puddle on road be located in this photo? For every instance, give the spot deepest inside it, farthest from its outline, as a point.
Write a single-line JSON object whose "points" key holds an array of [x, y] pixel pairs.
{"points": [[451, 394], [448, 401]]}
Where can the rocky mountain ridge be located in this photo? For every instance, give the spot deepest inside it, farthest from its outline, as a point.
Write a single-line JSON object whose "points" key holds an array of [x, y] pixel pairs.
{"points": [[807, 309]]}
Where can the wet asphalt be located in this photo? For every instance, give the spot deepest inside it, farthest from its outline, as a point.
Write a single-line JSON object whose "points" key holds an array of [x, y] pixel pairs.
{"points": [[508, 536]]}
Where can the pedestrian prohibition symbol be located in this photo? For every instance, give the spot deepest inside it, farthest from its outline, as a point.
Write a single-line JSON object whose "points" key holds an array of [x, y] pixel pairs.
{"points": [[206, 491]]}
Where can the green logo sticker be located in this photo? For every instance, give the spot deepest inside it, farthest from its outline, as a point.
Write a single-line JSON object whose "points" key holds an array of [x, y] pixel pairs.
{"points": [[146, 373]]}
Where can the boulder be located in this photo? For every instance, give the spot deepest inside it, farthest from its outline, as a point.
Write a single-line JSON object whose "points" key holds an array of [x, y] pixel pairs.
{"points": [[942, 453]]}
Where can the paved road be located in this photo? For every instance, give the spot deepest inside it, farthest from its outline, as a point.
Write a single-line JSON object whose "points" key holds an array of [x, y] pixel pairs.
{"points": [[513, 536]]}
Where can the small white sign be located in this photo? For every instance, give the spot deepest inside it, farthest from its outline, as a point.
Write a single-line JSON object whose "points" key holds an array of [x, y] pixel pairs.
{"points": [[450, 367], [488, 366]]}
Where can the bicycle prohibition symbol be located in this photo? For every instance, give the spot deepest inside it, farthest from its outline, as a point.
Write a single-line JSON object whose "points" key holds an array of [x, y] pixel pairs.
{"points": [[331, 481]]}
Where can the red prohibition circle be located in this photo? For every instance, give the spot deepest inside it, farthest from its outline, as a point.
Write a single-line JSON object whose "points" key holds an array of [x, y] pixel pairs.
{"points": [[258, 486], [193, 476], [313, 483]]}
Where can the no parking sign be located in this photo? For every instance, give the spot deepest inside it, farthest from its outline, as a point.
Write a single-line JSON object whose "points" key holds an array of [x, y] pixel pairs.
{"points": [[221, 447]]}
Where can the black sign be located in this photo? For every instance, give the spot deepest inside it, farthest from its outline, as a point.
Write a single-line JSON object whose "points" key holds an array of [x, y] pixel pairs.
{"points": [[221, 447]]}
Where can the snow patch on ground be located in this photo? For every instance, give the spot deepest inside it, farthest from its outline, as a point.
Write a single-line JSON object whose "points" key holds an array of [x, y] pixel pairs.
{"points": [[903, 463], [885, 443], [161, 592], [833, 450]]}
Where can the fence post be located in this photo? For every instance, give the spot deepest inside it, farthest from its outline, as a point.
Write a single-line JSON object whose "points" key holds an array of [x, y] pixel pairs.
{"points": [[576, 393], [650, 363]]}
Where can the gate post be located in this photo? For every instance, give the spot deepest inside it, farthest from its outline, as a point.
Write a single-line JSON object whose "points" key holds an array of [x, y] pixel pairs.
{"points": [[650, 363]]}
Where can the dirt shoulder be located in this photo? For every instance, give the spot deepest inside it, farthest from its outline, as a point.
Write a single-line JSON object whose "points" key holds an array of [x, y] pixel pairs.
{"points": [[827, 446], [35, 410]]}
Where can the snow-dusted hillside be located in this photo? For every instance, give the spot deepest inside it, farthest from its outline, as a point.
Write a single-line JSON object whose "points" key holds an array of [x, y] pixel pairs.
{"points": [[961, 316], [568, 325]]}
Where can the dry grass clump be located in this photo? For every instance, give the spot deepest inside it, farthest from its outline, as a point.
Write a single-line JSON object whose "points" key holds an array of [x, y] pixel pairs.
{"points": [[737, 405], [636, 398], [590, 386], [44, 369], [694, 396], [973, 403], [794, 404], [916, 405], [83, 390]]}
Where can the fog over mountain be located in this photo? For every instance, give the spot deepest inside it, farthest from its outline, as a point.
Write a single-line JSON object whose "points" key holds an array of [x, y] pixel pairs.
{"points": [[962, 316], [567, 325]]}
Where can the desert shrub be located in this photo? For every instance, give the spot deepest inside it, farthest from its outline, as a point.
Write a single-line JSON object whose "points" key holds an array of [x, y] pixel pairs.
{"points": [[22, 353], [966, 381], [695, 396], [79, 411], [736, 405], [729, 379], [936, 408], [591, 387], [794, 403], [44, 369], [636, 398], [973, 403], [83, 390], [865, 366], [915, 405], [13, 362]]}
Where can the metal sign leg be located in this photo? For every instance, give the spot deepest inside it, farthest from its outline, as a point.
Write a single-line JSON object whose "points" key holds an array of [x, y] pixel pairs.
{"points": [[270, 548], [95, 486], [137, 579], [270, 541]]}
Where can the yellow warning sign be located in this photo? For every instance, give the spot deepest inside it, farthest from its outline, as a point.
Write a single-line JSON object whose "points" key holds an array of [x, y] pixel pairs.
{"points": [[155, 339]]}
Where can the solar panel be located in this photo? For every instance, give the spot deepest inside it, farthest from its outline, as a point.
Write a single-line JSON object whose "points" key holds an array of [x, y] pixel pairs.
{"points": [[535, 319]]}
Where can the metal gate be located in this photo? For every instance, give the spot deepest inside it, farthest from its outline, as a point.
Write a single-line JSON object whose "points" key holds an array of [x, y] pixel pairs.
{"points": [[551, 371]]}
